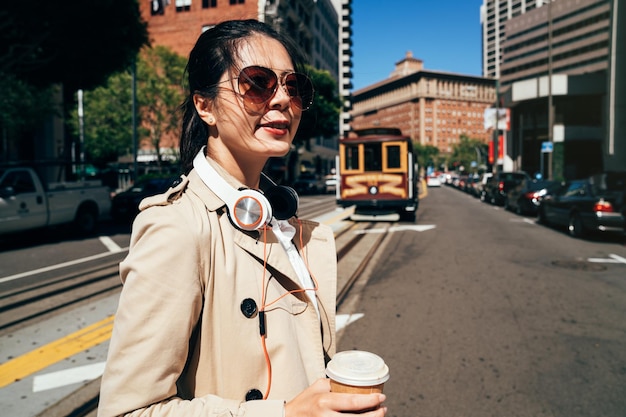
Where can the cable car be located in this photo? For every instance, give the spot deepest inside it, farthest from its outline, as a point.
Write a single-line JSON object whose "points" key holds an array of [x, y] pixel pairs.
{"points": [[378, 173]]}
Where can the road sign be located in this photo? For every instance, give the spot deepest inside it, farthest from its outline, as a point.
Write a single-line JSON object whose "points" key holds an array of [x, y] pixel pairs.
{"points": [[547, 147]]}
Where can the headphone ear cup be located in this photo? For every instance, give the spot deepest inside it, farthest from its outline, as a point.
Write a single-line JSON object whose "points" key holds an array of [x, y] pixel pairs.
{"points": [[284, 201], [250, 211]]}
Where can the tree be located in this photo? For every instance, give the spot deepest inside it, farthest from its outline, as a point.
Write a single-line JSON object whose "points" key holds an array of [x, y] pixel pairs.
{"points": [[427, 155], [160, 93], [75, 43], [108, 109], [466, 151], [107, 119], [21, 106], [322, 119], [49, 49]]}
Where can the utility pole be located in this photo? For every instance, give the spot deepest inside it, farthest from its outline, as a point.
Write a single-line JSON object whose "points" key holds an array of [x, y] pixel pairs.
{"points": [[550, 110], [496, 131], [134, 118], [81, 134]]}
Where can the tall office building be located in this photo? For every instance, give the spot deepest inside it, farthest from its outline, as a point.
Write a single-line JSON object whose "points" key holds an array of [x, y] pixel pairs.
{"points": [[559, 76], [493, 16], [344, 8]]}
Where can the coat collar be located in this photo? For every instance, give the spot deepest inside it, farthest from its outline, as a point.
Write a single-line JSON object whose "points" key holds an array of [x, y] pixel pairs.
{"points": [[261, 244]]}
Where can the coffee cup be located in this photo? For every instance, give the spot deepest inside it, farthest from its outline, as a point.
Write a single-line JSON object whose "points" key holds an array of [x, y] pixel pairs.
{"points": [[358, 372]]}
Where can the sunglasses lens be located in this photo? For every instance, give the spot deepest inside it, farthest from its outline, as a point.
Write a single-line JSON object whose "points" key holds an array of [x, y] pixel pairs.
{"points": [[300, 90], [257, 84]]}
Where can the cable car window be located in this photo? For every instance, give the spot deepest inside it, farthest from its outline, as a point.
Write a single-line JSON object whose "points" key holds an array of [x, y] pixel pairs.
{"points": [[393, 157], [373, 157], [352, 157]]}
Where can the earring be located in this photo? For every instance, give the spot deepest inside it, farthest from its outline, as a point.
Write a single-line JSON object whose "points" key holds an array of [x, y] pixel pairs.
{"points": [[211, 121]]}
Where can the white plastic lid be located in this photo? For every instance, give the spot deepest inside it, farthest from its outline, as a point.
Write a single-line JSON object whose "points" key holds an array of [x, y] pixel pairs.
{"points": [[358, 368]]}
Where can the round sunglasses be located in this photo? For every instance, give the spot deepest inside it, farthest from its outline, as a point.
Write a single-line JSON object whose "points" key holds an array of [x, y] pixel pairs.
{"points": [[257, 85]]}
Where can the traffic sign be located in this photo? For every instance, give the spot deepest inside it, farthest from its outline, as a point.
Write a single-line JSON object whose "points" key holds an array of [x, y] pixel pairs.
{"points": [[547, 147]]}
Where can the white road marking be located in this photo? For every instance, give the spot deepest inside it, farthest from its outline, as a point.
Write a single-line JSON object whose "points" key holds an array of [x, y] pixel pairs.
{"points": [[343, 320], [68, 377], [612, 259], [90, 372], [110, 245], [416, 228], [57, 266]]}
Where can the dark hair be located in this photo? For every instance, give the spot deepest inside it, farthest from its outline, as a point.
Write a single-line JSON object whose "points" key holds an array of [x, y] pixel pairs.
{"points": [[215, 52]]}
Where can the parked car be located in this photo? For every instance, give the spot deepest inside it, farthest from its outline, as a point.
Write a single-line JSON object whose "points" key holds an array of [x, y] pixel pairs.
{"points": [[589, 205], [480, 187], [330, 183], [125, 204], [309, 183], [28, 201], [433, 181], [472, 184], [525, 197], [499, 184]]}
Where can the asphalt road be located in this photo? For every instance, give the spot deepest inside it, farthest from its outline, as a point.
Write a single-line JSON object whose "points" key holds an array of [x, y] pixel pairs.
{"points": [[490, 314]]}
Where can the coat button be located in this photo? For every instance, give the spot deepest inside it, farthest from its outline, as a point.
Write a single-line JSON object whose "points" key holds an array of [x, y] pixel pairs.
{"points": [[248, 308], [254, 394]]}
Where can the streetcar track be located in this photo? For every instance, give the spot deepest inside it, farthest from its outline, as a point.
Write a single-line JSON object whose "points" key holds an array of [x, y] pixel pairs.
{"points": [[28, 304], [87, 403], [342, 294]]}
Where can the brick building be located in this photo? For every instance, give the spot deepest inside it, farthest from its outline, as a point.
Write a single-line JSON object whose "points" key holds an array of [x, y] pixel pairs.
{"points": [[432, 107], [313, 24]]}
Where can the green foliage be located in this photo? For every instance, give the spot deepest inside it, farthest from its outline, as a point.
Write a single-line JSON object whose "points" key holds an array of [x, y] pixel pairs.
{"points": [[159, 93], [427, 155], [108, 109], [22, 105], [107, 119], [322, 119], [76, 43], [466, 151]]}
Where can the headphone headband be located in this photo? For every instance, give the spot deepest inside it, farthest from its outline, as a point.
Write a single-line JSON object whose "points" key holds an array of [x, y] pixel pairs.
{"points": [[247, 209]]}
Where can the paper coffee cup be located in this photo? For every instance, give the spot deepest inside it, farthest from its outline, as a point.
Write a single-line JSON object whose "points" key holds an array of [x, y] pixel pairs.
{"points": [[356, 371]]}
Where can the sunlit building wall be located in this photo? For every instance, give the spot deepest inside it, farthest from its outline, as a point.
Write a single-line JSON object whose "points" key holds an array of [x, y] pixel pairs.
{"points": [[432, 107]]}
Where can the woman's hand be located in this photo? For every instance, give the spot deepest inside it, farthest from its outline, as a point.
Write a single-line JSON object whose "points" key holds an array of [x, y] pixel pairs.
{"points": [[318, 401]]}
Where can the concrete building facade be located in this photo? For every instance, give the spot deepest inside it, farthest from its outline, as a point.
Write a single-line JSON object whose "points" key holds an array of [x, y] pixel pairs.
{"points": [[433, 108], [493, 17], [559, 77], [345, 62]]}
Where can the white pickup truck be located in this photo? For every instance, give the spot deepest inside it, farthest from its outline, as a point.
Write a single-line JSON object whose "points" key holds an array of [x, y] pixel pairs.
{"points": [[26, 202]]}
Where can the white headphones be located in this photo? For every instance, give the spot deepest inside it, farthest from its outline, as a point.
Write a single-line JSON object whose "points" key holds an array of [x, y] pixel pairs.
{"points": [[248, 209]]}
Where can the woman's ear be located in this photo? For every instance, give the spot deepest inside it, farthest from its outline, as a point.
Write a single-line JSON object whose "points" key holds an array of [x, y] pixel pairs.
{"points": [[204, 109]]}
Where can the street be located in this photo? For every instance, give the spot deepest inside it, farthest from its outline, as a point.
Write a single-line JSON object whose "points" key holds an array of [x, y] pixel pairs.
{"points": [[477, 311], [490, 314]]}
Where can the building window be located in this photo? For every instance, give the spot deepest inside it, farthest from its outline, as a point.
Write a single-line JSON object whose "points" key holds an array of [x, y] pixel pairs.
{"points": [[157, 7], [183, 5], [206, 4], [232, 2]]}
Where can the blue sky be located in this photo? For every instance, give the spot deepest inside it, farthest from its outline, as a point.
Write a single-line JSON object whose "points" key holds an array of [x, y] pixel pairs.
{"points": [[445, 34]]}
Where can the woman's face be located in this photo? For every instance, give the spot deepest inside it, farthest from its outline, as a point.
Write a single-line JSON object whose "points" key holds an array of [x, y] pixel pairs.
{"points": [[248, 135]]}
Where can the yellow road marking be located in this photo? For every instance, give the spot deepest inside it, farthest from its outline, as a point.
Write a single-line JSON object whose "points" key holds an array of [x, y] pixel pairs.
{"points": [[54, 352]]}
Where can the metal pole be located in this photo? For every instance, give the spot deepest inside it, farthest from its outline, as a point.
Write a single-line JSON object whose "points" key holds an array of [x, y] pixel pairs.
{"points": [[496, 139], [550, 111], [134, 110], [81, 134]]}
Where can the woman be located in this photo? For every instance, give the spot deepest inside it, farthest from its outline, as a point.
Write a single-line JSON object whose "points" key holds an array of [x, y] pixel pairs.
{"points": [[227, 309]]}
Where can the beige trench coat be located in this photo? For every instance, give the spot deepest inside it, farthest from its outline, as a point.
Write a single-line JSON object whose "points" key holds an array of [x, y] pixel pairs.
{"points": [[181, 344]]}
